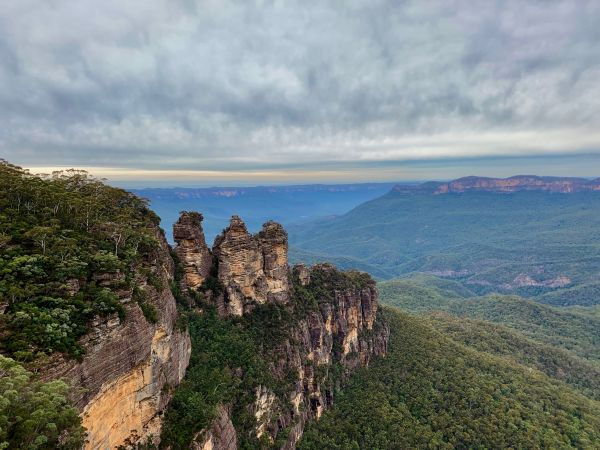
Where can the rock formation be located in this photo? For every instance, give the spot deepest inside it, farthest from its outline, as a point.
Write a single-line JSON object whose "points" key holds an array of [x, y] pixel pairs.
{"points": [[335, 330], [123, 379], [342, 330], [253, 269], [192, 251], [220, 436], [504, 185]]}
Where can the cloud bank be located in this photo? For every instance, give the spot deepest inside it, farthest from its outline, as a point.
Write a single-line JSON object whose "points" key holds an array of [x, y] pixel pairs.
{"points": [[230, 86]]}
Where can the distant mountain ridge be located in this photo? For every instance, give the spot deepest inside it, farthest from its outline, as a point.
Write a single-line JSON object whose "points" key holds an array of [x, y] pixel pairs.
{"points": [[526, 235], [284, 204], [235, 191], [503, 185]]}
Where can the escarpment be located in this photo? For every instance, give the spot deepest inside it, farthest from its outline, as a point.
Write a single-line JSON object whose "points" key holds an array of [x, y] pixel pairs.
{"points": [[565, 185], [310, 327], [124, 381]]}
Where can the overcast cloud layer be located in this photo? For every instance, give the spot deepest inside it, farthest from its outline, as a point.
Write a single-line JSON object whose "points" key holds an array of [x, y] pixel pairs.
{"points": [[167, 84]]}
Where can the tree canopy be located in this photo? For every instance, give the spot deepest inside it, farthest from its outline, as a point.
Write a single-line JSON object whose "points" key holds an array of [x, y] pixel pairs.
{"points": [[60, 236]]}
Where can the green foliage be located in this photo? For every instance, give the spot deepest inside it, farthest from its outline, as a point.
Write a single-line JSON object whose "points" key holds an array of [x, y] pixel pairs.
{"points": [[68, 243], [415, 295], [212, 284], [572, 330], [325, 280], [432, 392], [150, 312], [568, 330], [483, 240], [226, 367], [148, 309], [35, 415], [514, 346], [584, 295]]}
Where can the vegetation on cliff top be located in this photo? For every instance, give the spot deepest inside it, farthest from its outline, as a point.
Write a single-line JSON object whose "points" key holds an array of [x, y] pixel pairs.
{"points": [[68, 242]]}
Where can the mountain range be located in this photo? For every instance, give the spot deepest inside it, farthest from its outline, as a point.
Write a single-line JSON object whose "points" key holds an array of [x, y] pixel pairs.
{"points": [[532, 236]]}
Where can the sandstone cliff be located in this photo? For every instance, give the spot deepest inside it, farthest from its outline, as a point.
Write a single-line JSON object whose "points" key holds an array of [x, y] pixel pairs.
{"points": [[253, 269], [505, 185], [192, 251], [327, 326], [122, 382], [335, 335]]}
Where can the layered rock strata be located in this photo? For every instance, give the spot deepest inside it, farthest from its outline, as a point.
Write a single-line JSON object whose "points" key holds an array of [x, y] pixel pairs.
{"points": [[565, 185], [192, 251], [252, 268], [122, 382]]}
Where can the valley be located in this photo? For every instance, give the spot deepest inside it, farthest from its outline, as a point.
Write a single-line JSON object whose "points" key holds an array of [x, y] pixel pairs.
{"points": [[536, 240]]}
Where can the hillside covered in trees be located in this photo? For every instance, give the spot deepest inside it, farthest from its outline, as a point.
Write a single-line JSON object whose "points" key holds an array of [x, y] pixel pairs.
{"points": [[435, 390], [58, 232], [541, 244], [60, 235]]}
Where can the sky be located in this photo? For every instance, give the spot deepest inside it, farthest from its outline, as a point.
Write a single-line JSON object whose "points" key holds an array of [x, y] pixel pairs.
{"points": [[184, 92]]}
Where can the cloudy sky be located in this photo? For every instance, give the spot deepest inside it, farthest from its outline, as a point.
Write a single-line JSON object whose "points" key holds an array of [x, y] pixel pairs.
{"points": [[193, 92]]}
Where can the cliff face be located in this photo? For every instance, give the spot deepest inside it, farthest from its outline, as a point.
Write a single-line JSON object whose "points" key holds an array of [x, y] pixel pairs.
{"points": [[253, 269], [121, 382], [192, 251], [331, 328], [505, 185], [338, 335]]}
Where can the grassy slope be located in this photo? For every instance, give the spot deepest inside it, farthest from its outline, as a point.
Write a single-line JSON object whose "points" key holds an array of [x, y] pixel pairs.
{"points": [[434, 392]]}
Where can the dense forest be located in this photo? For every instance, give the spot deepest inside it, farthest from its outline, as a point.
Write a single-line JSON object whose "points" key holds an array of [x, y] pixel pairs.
{"points": [[571, 329], [433, 391], [59, 234]]}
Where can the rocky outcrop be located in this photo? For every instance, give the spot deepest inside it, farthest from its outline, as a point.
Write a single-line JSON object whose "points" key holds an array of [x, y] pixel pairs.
{"points": [[192, 251], [504, 185], [525, 280], [123, 379], [220, 436], [335, 336], [253, 269], [332, 328], [341, 333]]}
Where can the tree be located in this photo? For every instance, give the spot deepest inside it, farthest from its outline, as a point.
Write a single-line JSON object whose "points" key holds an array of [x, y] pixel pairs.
{"points": [[41, 236], [34, 414]]}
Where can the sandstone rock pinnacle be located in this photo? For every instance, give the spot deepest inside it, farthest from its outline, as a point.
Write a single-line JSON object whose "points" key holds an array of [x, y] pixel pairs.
{"points": [[191, 249]]}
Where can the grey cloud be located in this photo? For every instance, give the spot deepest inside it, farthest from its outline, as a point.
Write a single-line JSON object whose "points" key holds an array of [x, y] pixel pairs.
{"points": [[206, 84]]}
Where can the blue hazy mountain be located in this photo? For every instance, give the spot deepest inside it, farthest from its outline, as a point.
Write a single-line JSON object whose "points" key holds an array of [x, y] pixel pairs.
{"points": [[284, 204]]}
